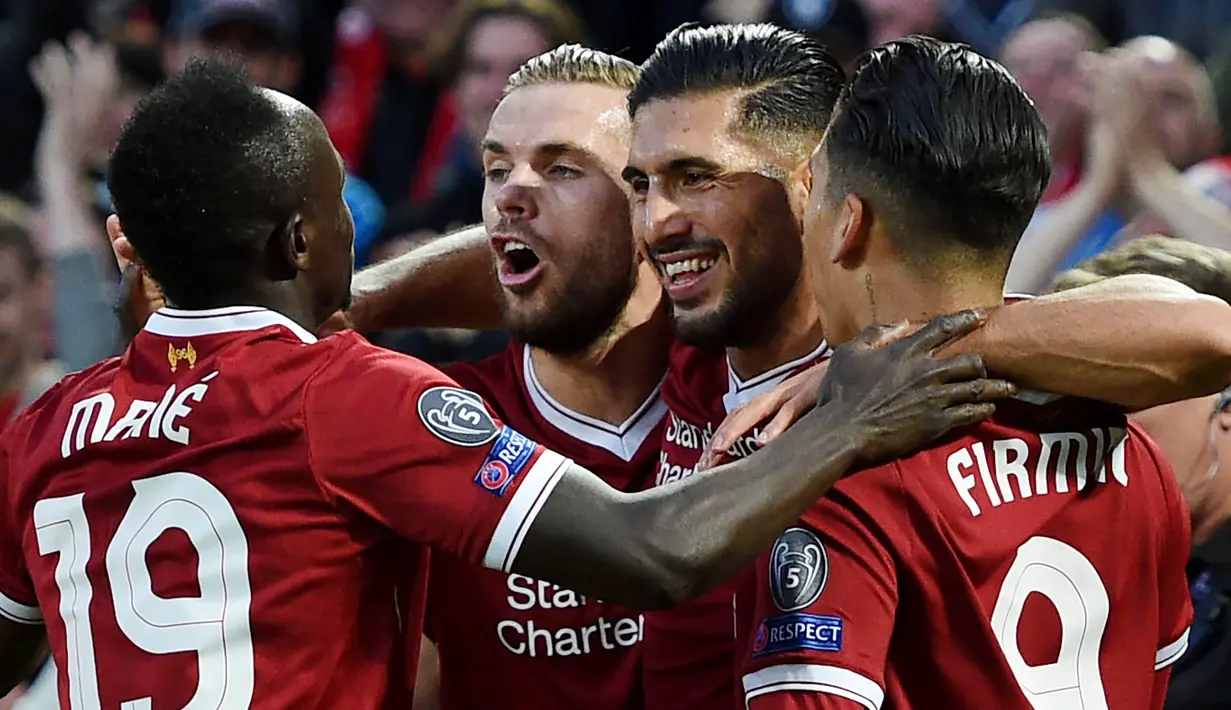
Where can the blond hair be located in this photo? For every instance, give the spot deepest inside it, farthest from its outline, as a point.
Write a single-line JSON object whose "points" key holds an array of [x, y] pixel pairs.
{"points": [[574, 64], [1203, 269]]}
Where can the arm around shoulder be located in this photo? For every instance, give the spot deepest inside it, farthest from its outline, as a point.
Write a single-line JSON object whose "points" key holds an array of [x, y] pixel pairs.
{"points": [[447, 283], [1138, 341]]}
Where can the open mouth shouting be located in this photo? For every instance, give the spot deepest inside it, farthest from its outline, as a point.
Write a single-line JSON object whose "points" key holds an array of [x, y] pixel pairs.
{"points": [[519, 265], [684, 274]]}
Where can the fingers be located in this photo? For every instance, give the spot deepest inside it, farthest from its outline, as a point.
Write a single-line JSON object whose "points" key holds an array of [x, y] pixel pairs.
{"points": [[968, 366], [893, 332], [942, 330], [874, 336], [788, 415], [968, 414], [975, 391]]}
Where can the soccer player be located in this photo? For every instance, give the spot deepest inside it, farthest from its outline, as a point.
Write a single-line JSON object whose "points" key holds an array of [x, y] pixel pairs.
{"points": [[1035, 561], [581, 376], [722, 116], [234, 513]]}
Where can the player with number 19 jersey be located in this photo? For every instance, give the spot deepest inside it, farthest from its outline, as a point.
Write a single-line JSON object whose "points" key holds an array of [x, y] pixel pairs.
{"points": [[231, 514], [1034, 562]]}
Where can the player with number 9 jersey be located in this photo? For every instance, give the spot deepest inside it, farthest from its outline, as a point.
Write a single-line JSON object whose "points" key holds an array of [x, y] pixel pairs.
{"points": [[1034, 563], [230, 515]]}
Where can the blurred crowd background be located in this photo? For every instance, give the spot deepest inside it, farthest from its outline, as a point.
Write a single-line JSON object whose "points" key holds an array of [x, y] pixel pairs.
{"points": [[406, 88], [1136, 95]]}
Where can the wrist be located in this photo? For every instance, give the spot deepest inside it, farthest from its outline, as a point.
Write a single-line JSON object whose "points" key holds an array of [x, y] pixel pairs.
{"points": [[837, 438]]}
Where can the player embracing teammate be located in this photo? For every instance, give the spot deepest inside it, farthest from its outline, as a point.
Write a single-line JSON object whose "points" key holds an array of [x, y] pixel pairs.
{"points": [[702, 210]]}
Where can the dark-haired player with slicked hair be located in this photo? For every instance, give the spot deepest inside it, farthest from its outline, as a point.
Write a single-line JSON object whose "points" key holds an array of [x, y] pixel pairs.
{"points": [[1031, 562], [234, 514], [722, 117]]}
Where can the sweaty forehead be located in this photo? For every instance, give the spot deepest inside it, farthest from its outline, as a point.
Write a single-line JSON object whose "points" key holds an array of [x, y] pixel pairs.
{"points": [[666, 130], [590, 116]]}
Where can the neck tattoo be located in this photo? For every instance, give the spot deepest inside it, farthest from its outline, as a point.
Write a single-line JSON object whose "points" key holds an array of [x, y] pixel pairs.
{"points": [[867, 283]]}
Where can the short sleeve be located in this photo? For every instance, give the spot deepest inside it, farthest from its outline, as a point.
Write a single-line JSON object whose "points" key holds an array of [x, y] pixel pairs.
{"points": [[401, 443], [825, 603], [18, 602], [1174, 597]]}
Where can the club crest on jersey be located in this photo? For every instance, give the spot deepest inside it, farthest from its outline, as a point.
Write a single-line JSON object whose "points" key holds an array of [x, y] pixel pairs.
{"points": [[509, 455], [186, 354], [457, 416], [797, 632], [798, 569]]}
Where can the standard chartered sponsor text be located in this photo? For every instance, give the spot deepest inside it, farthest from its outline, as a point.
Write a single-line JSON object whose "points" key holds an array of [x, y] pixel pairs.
{"points": [[537, 637]]}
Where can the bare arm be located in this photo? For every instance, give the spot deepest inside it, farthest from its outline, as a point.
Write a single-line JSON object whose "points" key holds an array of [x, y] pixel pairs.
{"points": [[446, 283], [1138, 341], [23, 648], [660, 547]]}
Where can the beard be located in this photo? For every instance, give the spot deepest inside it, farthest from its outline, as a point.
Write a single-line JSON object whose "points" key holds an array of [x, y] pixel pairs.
{"points": [[583, 310], [751, 306]]}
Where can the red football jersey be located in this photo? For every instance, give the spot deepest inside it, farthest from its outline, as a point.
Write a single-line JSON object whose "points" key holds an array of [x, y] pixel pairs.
{"points": [[512, 642], [1034, 562], [228, 515], [692, 658]]}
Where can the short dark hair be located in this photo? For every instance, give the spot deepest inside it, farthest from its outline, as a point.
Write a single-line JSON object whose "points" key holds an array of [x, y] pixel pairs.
{"points": [[792, 82], [205, 170], [945, 142]]}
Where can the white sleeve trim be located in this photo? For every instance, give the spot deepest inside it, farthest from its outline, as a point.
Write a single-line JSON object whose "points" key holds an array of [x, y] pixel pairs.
{"points": [[814, 679], [1171, 652], [510, 532], [19, 613]]}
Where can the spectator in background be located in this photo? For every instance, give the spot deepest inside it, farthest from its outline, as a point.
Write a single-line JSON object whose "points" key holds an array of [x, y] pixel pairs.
{"points": [[25, 371], [1193, 435], [489, 41], [1150, 115], [24, 27], [1044, 56], [263, 34], [24, 289], [384, 103], [1196, 25], [88, 89]]}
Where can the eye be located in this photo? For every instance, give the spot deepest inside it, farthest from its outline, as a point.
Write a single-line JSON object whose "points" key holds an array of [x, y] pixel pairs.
{"points": [[496, 173], [694, 178], [639, 184], [563, 171]]}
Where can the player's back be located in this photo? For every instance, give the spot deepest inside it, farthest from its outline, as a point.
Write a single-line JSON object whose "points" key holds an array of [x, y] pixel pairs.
{"points": [[192, 554], [1039, 556]]}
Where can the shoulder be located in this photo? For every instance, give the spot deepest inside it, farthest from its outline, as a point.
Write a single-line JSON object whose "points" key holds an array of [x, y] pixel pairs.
{"points": [[496, 378], [349, 355]]}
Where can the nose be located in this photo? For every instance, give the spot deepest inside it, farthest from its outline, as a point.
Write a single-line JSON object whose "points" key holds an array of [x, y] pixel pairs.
{"points": [[517, 197], [663, 219]]}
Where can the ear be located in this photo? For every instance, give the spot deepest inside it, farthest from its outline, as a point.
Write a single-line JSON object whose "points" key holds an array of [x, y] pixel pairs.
{"points": [[855, 224], [798, 188], [123, 249], [292, 241]]}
